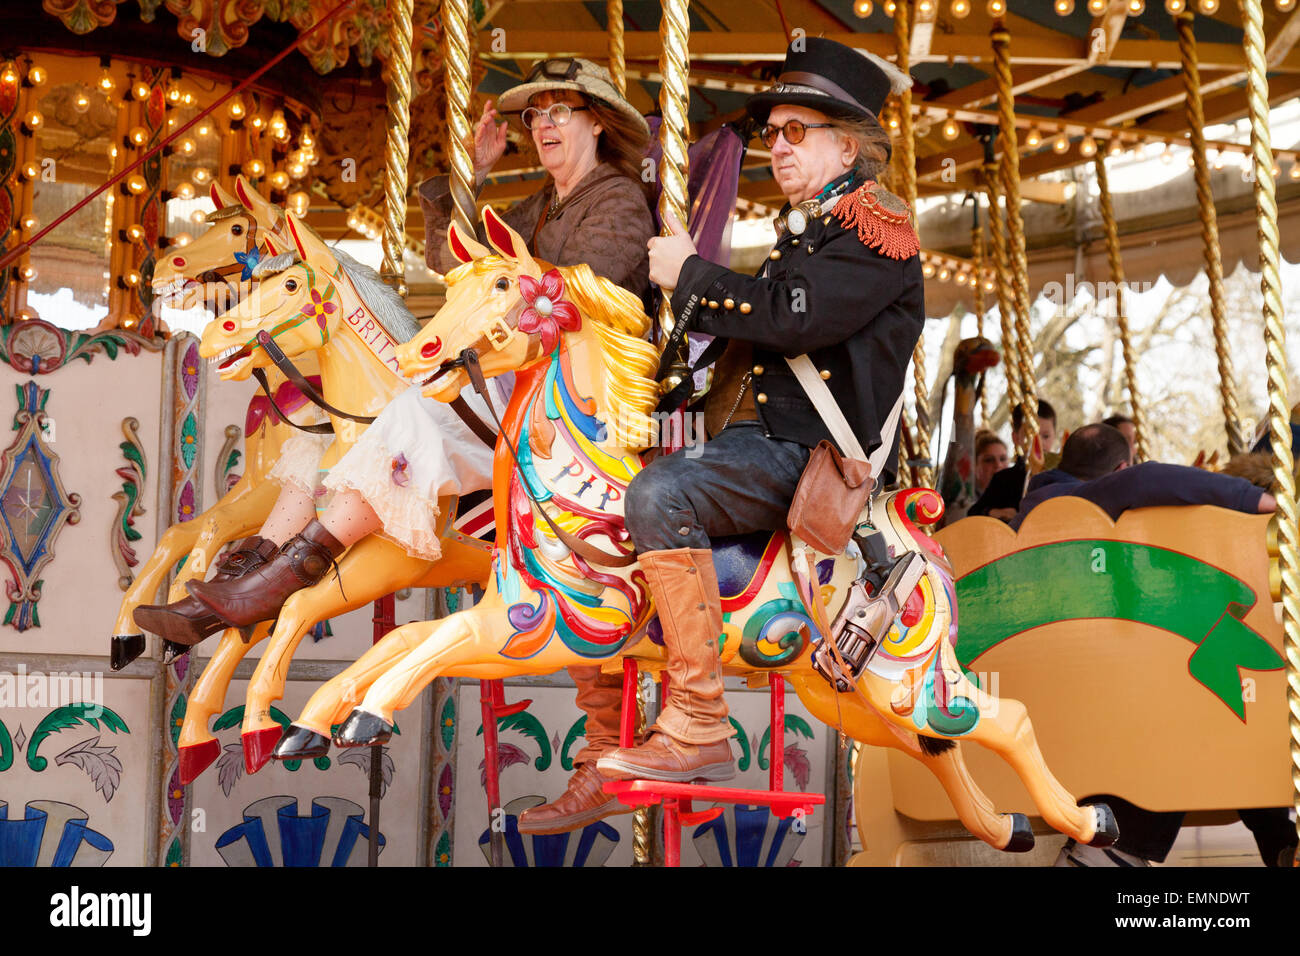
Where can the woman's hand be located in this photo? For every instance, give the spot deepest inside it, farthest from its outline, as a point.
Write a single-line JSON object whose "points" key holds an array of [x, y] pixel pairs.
{"points": [[668, 253], [489, 141]]}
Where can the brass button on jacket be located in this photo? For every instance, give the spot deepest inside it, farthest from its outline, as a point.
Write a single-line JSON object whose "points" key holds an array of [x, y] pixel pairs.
{"points": [[758, 370]]}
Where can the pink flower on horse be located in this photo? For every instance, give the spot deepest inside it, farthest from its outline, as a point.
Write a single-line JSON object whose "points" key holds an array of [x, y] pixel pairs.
{"points": [[318, 309], [547, 311]]}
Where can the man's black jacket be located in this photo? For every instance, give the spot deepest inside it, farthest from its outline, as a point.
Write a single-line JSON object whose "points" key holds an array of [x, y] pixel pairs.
{"points": [[856, 312]]}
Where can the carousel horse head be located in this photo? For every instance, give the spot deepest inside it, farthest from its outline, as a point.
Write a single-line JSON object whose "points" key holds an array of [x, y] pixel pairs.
{"points": [[973, 356], [515, 312], [215, 270], [298, 301]]}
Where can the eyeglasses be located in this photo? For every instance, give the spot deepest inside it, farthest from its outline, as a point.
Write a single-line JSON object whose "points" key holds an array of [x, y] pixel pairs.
{"points": [[565, 68], [557, 113], [793, 130]]}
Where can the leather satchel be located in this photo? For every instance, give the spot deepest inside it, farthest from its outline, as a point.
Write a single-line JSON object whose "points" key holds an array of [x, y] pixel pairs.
{"points": [[834, 488]]}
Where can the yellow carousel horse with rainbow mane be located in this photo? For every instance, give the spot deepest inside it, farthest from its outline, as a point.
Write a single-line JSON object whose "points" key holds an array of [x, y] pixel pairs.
{"points": [[312, 300], [214, 272], [579, 411]]}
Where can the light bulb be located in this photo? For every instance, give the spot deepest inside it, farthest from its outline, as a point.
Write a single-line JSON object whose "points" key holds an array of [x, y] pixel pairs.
{"points": [[950, 129], [257, 122], [187, 98], [925, 7], [133, 278], [1208, 7], [136, 184], [1088, 147], [9, 76], [1175, 7], [300, 202], [140, 90], [34, 120], [297, 170], [1295, 170], [1033, 140], [106, 82], [1167, 156], [961, 9], [182, 239], [1137, 7], [997, 8], [236, 109], [30, 171], [1061, 144], [205, 130], [277, 124], [31, 222], [36, 75], [890, 7], [1063, 8], [927, 270], [1096, 7], [138, 135], [1285, 6], [27, 273], [255, 168], [961, 278], [185, 191], [198, 217], [201, 176], [863, 8], [187, 147], [81, 101], [945, 274], [174, 94], [1114, 147], [279, 180], [306, 139]]}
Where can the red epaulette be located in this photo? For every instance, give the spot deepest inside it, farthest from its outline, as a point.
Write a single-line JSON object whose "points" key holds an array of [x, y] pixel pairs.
{"points": [[883, 221]]}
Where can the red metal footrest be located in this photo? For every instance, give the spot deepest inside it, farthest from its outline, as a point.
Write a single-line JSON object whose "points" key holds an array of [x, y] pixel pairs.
{"points": [[641, 793]]}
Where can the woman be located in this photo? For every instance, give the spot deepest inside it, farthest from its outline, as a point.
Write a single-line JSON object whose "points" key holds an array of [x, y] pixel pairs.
{"points": [[593, 209]]}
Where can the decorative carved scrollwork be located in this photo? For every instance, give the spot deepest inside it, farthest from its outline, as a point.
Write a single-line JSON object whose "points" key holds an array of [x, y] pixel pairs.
{"points": [[128, 503]]}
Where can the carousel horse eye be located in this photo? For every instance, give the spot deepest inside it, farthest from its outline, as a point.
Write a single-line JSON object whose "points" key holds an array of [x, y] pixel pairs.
{"points": [[291, 285], [236, 230], [502, 284]]}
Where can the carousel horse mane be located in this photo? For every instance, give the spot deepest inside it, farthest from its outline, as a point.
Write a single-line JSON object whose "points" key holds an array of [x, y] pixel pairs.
{"points": [[628, 360]]}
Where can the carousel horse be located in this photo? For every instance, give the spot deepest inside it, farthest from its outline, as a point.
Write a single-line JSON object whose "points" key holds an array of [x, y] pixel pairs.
{"points": [[971, 359], [311, 299], [581, 405], [214, 272]]}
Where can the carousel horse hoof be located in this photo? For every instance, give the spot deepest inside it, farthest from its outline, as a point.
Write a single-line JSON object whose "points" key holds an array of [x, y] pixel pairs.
{"points": [[1022, 837], [1107, 826], [124, 649], [301, 743], [173, 651], [362, 729], [183, 622], [258, 746], [196, 758]]}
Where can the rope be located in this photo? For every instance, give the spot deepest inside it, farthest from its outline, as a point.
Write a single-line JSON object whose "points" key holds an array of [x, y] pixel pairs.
{"points": [[905, 168], [1016, 255], [1275, 344], [1121, 316], [617, 56], [455, 20], [397, 148], [1209, 230]]}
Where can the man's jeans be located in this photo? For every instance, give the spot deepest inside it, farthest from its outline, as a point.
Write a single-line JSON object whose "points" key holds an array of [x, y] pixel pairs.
{"points": [[738, 482]]}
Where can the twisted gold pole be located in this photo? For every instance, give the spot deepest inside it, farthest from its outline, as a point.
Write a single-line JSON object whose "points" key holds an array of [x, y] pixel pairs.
{"points": [[617, 59], [999, 245], [455, 25], [1288, 535], [642, 846], [977, 253], [674, 102], [1209, 229], [923, 473], [397, 147], [1121, 315], [1016, 255]]}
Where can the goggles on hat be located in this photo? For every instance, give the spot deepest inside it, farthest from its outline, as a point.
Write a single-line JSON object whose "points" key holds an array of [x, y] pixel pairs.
{"points": [[563, 68]]}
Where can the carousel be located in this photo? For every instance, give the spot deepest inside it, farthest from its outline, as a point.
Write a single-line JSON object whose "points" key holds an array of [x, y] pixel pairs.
{"points": [[215, 266]]}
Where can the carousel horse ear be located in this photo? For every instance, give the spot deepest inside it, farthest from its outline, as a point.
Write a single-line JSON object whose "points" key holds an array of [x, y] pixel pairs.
{"points": [[265, 213], [311, 248], [465, 248], [272, 248], [504, 239], [220, 198]]}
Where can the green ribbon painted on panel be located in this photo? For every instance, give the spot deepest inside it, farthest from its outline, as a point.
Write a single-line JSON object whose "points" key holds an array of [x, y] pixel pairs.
{"points": [[1073, 580]]}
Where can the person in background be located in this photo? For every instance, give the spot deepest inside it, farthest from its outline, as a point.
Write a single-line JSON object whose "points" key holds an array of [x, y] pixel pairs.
{"points": [[1001, 498], [991, 456], [1127, 427]]}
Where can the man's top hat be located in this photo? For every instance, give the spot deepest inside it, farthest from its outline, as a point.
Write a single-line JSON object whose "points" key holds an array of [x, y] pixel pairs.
{"points": [[832, 78]]}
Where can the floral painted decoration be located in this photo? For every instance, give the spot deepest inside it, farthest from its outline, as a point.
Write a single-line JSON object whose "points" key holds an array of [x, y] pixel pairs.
{"points": [[547, 311], [249, 261], [319, 308]]}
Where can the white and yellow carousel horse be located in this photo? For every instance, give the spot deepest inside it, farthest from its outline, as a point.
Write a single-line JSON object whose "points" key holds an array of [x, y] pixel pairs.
{"points": [[579, 411]]}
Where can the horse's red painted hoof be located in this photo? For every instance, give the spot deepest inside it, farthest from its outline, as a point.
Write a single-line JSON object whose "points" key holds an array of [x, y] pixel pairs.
{"points": [[258, 747], [196, 758]]}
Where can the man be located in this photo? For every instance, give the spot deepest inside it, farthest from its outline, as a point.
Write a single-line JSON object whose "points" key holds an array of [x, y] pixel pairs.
{"points": [[1127, 427], [1096, 464], [843, 285], [1001, 498]]}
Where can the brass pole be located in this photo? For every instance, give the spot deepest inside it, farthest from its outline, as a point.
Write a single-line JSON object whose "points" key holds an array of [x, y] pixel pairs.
{"points": [[998, 242], [617, 59], [455, 24], [977, 253], [922, 473], [1121, 316], [1288, 535], [397, 147], [674, 128], [1016, 255], [1209, 230]]}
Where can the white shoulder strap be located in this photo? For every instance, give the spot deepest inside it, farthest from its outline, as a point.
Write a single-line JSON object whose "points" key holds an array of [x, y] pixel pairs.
{"points": [[829, 409]]}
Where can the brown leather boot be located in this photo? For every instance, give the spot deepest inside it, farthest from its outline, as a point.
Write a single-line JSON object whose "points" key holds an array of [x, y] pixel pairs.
{"points": [[187, 621], [692, 731], [259, 595], [583, 801]]}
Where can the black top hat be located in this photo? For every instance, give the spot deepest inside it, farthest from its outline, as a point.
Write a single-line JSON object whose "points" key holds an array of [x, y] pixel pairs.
{"points": [[831, 78]]}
